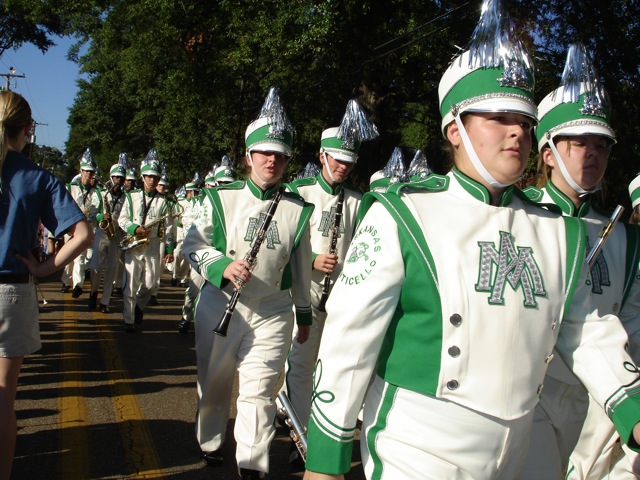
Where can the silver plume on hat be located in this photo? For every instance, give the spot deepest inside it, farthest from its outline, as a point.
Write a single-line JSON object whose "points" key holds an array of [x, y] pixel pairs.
{"points": [[494, 44], [310, 170], [395, 170], [123, 160], [579, 71], [274, 111], [419, 165], [355, 126]]}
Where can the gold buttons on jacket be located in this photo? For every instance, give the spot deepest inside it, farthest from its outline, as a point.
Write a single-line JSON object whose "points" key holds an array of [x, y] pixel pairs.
{"points": [[232, 253], [549, 358], [540, 387], [455, 320], [452, 384], [554, 324], [454, 351]]}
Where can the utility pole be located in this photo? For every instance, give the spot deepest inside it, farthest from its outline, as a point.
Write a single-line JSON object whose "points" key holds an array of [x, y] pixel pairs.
{"points": [[9, 76], [32, 140]]}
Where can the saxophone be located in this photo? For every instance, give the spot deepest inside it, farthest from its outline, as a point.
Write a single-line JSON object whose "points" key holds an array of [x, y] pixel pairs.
{"points": [[134, 241], [107, 224]]}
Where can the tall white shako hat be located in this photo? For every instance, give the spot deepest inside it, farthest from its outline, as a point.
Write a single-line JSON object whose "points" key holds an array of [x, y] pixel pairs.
{"points": [[272, 131], [131, 174], [343, 142], [494, 75], [225, 173], [195, 183], [579, 106], [164, 175], [634, 191], [210, 177], [119, 169], [151, 164], [394, 171], [87, 162]]}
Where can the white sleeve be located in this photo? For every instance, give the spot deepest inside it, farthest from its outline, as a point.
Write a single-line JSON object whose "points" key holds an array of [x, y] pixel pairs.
{"points": [[360, 308]]}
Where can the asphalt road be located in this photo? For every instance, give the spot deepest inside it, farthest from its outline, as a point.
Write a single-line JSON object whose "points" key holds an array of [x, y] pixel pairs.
{"points": [[98, 403]]}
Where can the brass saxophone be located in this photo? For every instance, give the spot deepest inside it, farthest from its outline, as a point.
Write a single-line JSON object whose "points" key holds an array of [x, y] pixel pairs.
{"points": [[134, 241], [107, 224]]}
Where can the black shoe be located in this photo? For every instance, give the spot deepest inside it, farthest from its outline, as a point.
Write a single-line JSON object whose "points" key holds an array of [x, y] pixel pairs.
{"points": [[183, 326], [117, 291], [153, 301], [129, 327], [248, 474], [104, 308], [137, 317], [93, 300], [65, 288], [174, 282], [87, 274], [183, 283], [213, 459], [77, 291]]}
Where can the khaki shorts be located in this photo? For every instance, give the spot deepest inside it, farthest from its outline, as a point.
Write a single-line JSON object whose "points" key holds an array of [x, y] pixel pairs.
{"points": [[19, 330]]}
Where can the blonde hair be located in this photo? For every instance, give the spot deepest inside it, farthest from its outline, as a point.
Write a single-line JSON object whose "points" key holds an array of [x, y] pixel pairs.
{"points": [[15, 114]]}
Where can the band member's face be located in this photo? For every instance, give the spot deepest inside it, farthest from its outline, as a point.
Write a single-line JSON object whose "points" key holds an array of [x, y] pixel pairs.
{"points": [[161, 189], [339, 170], [150, 182], [129, 184], [267, 167], [117, 181], [86, 176]]}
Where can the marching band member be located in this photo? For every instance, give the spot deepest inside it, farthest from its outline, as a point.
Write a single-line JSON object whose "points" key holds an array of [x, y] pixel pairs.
{"points": [[181, 268], [259, 331], [144, 214], [89, 200], [453, 295], [334, 202], [106, 248], [163, 189], [574, 141]]}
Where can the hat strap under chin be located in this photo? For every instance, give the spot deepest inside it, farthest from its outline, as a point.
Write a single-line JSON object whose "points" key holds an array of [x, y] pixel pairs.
{"points": [[324, 155], [475, 160], [565, 173], [255, 172]]}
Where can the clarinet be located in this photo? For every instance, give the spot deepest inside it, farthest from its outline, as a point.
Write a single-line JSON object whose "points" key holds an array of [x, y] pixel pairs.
{"points": [[335, 233], [251, 257], [593, 254]]}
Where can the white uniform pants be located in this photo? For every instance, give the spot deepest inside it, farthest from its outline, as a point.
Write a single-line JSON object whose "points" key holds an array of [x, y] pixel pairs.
{"points": [[407, 435], [556, 427], [181, 266], [196, 282], [257, 341], [591, 457], [142, 266], [299, 368], [105, 259]]}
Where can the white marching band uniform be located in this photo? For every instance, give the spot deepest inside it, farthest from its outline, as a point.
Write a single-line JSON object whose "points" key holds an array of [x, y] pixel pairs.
{"points": [[259, 333], [565, 406], [143, 264], [302, 357], [443, 310], [90, 202], [106, 252]]}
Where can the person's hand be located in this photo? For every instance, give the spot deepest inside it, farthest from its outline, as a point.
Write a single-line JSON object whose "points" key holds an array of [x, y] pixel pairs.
{"points": [[309, 475], [31, 262], [142, 232], [238, 272], [303, 333], [636, 433], [168, 258], [325, 262]]}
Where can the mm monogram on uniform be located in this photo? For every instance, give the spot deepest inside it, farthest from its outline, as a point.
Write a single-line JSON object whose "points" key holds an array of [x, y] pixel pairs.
{"points": [[515, 266], [272, 235], [326, 223]]}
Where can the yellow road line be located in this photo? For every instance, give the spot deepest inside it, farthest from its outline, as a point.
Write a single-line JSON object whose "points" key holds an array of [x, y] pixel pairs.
{"points": [[140, 451], [73, 419]]}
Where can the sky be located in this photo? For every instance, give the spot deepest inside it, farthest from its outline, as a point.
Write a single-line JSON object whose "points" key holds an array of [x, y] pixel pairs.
{"points": [[49, 86]]}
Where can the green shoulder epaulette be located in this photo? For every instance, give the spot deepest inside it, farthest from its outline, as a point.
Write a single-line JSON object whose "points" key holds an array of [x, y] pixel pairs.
{"points": [[532, 195], [304, 181], [293, 195], [237, 185], [433, 183]]}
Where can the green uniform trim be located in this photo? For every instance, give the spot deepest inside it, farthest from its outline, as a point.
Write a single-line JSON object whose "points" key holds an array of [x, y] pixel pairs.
{"points": [[381, 423], [622, 408], [576, 243], [631, 273], [216, 269]]}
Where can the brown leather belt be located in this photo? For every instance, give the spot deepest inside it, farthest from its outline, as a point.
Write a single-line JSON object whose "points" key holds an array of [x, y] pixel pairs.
{"points": [[15, 277]]}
